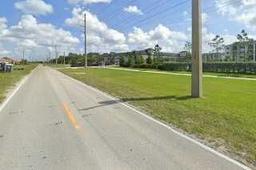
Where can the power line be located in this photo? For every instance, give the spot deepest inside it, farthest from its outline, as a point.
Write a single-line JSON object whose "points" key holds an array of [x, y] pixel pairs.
{"points": [[147, 9], [224, 4], [156, 14], [118, 12], [207, 11], [104, 9]]}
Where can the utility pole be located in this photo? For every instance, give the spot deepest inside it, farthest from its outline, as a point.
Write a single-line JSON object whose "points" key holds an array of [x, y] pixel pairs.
{"points": [[23, 57], [56, 54], [50, 57], [85, 43], [196, 90], [64, 58], [254, 53]]}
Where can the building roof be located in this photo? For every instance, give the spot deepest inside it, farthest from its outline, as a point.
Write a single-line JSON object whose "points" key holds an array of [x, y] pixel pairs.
{"points": [[7, 59]]}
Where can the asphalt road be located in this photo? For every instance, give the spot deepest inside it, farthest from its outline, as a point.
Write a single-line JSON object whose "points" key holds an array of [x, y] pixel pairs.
{"points": [[56, 123]]}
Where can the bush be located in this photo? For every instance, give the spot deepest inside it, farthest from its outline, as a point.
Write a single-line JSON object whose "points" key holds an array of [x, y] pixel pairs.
{"points": [[245, 68], [175, 67], [146, 66]]}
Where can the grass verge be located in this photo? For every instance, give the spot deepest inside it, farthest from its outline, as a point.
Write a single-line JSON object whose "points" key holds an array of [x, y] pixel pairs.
{"points": [[185, 72], [225, 117], [8, 80]]}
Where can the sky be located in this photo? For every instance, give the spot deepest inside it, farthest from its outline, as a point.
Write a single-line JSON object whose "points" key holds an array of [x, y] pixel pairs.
{"points": [[42, 27]]}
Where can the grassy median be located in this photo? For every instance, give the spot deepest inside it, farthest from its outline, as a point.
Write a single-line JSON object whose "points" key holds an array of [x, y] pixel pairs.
{"points": [[225, 117], [8, 80]]}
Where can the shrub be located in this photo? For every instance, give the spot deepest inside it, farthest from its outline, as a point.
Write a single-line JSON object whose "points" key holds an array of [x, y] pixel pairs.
{"points": [[245, 68]]}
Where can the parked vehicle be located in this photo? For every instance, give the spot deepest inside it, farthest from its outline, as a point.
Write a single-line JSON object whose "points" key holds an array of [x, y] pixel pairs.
{"points": [[6, 67]]}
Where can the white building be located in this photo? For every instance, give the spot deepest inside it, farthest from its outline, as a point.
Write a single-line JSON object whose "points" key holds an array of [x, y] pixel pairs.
{"points": [[241, 51]]}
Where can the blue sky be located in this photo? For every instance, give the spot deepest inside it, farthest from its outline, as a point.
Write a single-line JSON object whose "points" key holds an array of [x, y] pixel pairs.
{"points": [[117, 25]]}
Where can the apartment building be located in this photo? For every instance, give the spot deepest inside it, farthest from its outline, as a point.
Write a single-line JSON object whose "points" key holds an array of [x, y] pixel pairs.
{"points": [[241, 51]]}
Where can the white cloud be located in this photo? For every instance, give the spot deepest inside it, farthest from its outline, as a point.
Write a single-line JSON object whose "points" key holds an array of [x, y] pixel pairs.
{"points": [[35, 37], [168, 39], [3, 52], [242, 11], [100, 37], [3, 24], [34, 7], [88, 1], [133, 9]]}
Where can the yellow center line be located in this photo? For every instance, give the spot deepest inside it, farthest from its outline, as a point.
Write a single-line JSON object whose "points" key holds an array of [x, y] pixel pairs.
{"points": [[71, 116]]}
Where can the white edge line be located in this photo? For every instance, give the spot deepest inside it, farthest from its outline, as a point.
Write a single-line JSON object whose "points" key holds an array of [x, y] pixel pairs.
{"points": [[17, 88], [181, 74], [166, 126]]}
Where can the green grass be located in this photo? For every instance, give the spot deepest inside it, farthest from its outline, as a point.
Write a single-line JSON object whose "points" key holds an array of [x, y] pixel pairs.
{"points": [[205, 73], [225, 117], [8, 80]]}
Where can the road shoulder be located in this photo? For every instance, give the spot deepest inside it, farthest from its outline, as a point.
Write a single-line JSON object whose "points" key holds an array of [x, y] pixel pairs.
{"points": [[14, 89]]}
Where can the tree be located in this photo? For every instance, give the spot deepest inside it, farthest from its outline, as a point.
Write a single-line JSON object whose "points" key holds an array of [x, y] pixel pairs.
{"points": [[157, 53], [149, 60], [140, 60], [243, 36], [244, 41], [24, 62], [188, 46], [130, 61], [149, 53], [134, 57], [188, 49], [122, 61], [218, 44]]}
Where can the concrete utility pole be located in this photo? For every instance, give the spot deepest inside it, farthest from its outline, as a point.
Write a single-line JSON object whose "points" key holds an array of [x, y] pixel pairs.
{"points": [[23, 57], [56, 55], [50, 57], [64, 58], [254, 52], [23, 54], [85, 43], [196, 90]]}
